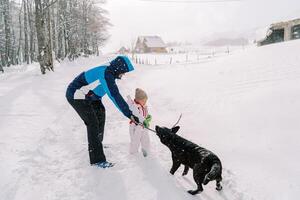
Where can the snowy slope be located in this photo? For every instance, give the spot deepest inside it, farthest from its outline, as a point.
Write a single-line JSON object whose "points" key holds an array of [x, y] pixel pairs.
{"points": [[244, 107]]}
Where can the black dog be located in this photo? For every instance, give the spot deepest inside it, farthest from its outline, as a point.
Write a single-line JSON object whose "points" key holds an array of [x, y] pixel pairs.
{"points": [[205, 164]]}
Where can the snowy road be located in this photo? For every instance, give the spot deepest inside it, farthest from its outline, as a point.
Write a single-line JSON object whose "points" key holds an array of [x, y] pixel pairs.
{"points": [[244, 107]]}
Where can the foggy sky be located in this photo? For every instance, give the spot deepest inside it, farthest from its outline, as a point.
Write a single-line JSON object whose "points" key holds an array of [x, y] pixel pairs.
{"points": [[192, 22]]}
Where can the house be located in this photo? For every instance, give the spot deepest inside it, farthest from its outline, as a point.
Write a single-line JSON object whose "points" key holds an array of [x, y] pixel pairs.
{"points": [[282, 31], [123, 50], [150, 44]]}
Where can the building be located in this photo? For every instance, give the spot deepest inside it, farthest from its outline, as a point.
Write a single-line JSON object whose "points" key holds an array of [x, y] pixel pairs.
{"points": [[282, 31], [123, 50], [150, 44]]}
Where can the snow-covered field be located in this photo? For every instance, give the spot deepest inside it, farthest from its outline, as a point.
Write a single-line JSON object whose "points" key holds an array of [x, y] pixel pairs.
{"points": [[245, 107]]}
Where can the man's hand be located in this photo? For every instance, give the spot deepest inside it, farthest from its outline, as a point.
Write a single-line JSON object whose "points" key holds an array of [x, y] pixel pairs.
{"points": [[91, 96], [135, 119]]}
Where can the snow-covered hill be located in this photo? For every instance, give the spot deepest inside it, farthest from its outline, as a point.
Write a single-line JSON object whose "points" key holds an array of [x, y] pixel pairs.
{"points": [[244, 107]]}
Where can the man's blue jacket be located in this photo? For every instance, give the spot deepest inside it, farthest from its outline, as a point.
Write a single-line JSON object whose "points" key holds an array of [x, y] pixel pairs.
{"points": [[106, 76]]}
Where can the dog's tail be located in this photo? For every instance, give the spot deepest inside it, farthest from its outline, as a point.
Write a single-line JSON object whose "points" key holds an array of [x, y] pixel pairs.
{"points": [[214, 173]]}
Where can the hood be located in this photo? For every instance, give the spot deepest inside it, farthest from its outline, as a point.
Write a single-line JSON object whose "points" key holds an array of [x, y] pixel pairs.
{"points": [[120, 65]]}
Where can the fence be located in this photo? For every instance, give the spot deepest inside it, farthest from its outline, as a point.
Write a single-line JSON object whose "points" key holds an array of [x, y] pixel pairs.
{"points": [[182, 56]]}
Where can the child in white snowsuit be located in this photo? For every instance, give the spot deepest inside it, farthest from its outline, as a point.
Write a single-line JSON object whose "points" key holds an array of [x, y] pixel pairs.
{"points": [[138, 133]]}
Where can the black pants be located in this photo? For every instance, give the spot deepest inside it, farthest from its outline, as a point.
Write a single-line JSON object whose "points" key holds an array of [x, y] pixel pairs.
{"points": [[93, 115]]}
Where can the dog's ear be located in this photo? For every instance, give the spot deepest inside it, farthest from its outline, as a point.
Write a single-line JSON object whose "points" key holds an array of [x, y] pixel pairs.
{"points": [[175, 129]]}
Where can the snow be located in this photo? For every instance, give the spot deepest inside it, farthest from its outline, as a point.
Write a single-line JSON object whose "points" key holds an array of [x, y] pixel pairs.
{"points": [[262, 32], [244, 107]]}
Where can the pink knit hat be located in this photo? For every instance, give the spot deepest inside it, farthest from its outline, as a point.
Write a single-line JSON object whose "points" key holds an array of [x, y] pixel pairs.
{"points": [[140, 94]]}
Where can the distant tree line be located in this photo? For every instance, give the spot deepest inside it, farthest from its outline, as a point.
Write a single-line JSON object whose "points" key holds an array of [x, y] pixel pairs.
{"points": [[44, 30]]}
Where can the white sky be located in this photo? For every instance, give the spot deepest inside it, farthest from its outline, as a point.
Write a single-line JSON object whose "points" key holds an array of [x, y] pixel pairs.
{"points": [[192, 21]]}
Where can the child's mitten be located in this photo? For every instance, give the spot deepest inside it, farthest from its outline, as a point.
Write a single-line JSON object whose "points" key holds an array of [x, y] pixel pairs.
{"points": [[147, 121]]}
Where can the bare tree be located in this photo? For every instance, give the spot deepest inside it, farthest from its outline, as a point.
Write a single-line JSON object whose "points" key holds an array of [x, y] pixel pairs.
{"points": [[48, 29], [26, 46], [41, 17], [8, 34], [32, 37]]}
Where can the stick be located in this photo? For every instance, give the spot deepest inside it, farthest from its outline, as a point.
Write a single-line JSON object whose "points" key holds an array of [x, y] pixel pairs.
{"points": [[147, 128], [154, 130]]}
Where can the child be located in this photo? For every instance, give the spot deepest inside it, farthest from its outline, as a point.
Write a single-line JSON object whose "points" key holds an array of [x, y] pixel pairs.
{"points": [[138, 133]]}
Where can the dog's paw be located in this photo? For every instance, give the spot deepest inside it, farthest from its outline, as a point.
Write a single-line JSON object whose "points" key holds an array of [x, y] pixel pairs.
{"points": [[206, 180], [193, 192], [219, 187]]}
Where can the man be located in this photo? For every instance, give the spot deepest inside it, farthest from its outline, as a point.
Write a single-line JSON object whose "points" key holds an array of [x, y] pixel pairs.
{"points": [[90, 107]]}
